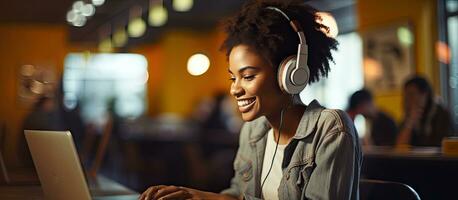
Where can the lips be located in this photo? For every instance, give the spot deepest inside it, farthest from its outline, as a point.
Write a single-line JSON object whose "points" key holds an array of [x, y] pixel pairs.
{"points": [[246, 105]]}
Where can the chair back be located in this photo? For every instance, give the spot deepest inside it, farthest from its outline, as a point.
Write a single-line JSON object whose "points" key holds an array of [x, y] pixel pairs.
{"points": [[101, 150], [3, 170], [378, 189]]}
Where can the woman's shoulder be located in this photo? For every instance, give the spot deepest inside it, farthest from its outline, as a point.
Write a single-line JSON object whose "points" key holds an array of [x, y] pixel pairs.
{"points": [[441, 110], [336, 121], [320, 122]]}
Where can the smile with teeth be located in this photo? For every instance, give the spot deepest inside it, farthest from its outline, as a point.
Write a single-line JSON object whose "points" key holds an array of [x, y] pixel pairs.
{"points": [[245, 104]]}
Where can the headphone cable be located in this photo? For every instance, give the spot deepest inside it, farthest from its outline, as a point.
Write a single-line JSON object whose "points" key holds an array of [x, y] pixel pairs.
{"points": [[276, 146]]}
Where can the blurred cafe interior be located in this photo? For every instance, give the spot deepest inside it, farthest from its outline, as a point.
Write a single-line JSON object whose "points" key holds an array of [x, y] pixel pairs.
{"points": [[143, 87]]}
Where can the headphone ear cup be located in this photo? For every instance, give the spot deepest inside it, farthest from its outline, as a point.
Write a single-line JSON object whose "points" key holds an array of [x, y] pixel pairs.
{"points": [[284, 72]]}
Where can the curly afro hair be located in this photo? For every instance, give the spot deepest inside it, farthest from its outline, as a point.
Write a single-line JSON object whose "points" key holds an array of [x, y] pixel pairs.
{"points": [[270, 34]]}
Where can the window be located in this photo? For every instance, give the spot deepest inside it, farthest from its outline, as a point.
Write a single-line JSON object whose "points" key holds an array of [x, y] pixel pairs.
{"points": [[448, 34], [100, 83], [452, 23], [345, 77]]}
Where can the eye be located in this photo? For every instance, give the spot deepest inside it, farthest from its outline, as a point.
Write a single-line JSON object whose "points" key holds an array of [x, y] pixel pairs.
{"points": [[249, 77], [232, 79]]}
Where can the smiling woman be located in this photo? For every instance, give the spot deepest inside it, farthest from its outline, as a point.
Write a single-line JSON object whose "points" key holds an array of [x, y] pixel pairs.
{"points": [[253, 83], [287, 150], [258, 94]]}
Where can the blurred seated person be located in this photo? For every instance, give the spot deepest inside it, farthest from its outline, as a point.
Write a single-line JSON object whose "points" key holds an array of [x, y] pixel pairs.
{"points": [[381, 128], [70, 113], [43, 116], [425, 122]]}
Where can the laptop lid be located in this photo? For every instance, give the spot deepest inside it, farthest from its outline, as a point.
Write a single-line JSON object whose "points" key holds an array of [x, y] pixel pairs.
{"points": [[57, 164]]}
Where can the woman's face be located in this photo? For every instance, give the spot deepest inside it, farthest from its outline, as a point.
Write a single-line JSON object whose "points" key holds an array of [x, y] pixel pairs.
{"points": [[414, 98], [254, 84]]}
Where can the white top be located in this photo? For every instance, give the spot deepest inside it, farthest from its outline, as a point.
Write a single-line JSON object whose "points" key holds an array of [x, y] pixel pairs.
{"points": [[270, 189]]}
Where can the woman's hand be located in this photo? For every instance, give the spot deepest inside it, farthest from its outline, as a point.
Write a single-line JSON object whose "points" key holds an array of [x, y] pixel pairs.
{"points": [[412, 122], [163, 192], [414, 117]]}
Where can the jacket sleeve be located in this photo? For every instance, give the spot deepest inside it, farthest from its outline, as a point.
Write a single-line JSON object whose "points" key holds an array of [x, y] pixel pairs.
{"points": [[337, 168], [235, 188]]}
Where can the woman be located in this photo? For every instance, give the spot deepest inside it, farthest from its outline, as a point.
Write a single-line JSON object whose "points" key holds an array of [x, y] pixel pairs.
{"points": [[425, 122], [287, 150]]}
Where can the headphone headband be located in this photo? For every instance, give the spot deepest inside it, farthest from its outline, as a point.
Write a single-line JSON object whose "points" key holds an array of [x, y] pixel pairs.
{"points": [[278, 10], [296, 26]]}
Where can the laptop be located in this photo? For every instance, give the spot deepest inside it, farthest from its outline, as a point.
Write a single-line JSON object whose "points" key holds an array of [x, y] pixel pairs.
{"points": [[59, 169]]}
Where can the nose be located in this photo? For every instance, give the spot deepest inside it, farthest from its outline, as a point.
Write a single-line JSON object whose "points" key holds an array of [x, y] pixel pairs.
{"points": [[236, 89]]}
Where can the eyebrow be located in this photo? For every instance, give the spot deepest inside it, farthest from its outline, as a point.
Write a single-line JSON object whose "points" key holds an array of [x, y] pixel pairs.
{"points": [[244, 68]]}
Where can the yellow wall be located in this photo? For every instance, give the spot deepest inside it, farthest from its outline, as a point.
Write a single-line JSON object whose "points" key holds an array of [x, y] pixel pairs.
{"points": [[25, 44], [422, 14], [38, 44], [155, 58]]}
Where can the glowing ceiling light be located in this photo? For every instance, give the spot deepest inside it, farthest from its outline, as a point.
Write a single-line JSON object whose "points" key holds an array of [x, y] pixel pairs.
{"points": [[157, 15], [71, 16], [182, 5], [120, 38], [328, 20], [106, 45], [88, 10], [136, 27], [78, 6], [27, 70], [98, 2], [372, 69], [198, 64], [37, 87], [70, 100], [405, 36], [79, 21], [443, 52]]}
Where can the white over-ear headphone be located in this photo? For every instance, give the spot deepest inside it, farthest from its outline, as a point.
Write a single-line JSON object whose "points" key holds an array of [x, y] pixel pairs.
{"points": [[293, 72]]}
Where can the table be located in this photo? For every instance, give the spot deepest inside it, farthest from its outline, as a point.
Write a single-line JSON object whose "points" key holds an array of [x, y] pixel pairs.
{"points": [[432, 174], [105, 188]]}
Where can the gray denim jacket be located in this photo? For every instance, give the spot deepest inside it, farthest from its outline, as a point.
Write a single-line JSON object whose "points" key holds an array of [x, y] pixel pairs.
{"points": [[322, 161]]}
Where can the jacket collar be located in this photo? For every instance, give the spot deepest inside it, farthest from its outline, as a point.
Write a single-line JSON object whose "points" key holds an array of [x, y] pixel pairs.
{"points": [[306, 126], [260, 127], [309, 120]]}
